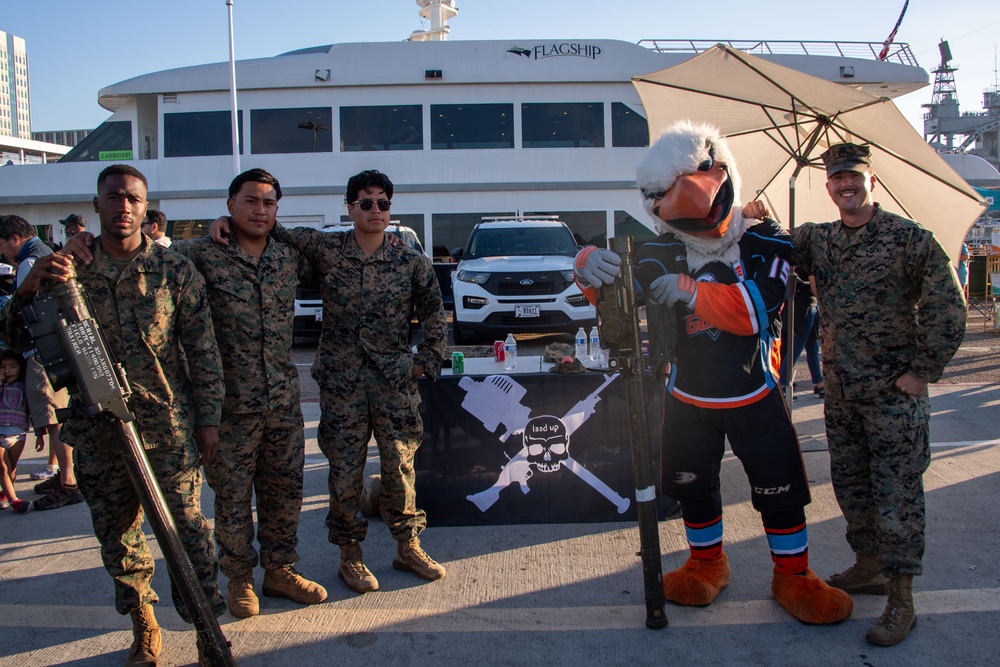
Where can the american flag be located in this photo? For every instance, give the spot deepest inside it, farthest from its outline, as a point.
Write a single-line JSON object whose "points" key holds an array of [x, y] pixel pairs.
{"points": [[892, 35]]}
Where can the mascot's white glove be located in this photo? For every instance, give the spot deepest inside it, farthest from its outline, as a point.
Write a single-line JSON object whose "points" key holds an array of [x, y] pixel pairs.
{"points": [[673, 287], [600, 267]]}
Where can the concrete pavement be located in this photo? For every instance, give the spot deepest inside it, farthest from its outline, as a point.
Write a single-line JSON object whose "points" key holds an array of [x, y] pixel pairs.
{"points": [[550, 594]]}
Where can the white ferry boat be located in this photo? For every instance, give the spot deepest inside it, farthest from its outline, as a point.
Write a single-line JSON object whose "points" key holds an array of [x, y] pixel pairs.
{"points": [[465, 129]]}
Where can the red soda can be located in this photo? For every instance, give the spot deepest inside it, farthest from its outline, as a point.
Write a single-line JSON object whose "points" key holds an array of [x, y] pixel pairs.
{"points": [[498, 354]]}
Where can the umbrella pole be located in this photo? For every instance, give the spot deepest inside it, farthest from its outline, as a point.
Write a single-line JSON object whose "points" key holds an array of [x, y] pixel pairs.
{"points": [[788, 337]]}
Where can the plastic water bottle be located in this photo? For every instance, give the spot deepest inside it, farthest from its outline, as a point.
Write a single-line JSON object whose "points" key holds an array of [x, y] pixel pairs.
{"points": [[595, 344], [581, 344], [510, 353]]}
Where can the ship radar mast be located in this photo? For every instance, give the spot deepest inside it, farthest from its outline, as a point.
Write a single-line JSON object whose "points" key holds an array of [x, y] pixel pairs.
{"points": [[944, 102], [438, 12], [943, 121]]}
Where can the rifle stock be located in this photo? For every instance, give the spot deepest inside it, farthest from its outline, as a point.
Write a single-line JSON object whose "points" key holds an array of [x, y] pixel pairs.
{"points": [[516, 471]]}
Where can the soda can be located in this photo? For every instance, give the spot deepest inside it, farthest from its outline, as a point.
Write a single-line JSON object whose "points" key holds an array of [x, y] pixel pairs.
{"points": [[457, 363], [498, 354]]}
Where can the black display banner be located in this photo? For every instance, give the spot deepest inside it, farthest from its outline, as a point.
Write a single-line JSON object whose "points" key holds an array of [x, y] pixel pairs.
{"points": [[525, 448]]}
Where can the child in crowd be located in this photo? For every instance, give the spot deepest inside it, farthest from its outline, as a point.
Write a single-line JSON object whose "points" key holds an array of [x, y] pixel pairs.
{"points": [[14, 425]]}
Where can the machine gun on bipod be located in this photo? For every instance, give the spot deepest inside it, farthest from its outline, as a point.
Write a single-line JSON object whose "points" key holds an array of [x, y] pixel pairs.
{"points": [[69, 342], [618, 319]]}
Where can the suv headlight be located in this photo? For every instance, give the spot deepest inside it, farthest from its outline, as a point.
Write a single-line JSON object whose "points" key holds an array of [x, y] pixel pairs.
{"points": [[477, 277], [568, 276]]}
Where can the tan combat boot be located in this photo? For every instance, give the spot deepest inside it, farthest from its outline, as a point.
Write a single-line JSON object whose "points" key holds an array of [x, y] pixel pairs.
{"points": [[146, 638], [862, 577], [411, 558], [242, 601], [353, 571], [286, 582], [899, 616]]}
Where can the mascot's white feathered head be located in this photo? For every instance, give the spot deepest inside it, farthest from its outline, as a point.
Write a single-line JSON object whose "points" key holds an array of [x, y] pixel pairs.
{"points": [[689, 182]]}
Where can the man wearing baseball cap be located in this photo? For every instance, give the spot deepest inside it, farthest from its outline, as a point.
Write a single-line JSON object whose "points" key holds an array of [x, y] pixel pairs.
{"points": [[892, 315], [74, 224]]}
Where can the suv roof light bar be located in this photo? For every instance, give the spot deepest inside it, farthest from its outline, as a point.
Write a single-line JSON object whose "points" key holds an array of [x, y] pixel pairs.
{"points": [[518, 218]]}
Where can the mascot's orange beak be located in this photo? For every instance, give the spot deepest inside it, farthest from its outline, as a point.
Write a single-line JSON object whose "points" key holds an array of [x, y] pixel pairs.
{"points": [[693, 205]]}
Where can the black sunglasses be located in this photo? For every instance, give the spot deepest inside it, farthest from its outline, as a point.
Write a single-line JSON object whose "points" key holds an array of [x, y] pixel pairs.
{"points": [[366, 204]]}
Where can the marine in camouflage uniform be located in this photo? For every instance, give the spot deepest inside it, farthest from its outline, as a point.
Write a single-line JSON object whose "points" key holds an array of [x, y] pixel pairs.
{"points": [[154, 314], [366, 371], [251, 283], [891, 317], [261, 440]]}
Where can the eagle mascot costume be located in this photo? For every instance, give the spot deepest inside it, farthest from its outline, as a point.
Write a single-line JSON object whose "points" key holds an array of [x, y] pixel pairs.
{"points": [[719, 277]]}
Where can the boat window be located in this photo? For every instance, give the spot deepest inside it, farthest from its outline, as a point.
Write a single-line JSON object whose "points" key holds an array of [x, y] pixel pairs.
{"points": [[625, 225], [199, 133], [453, 229], [628, 128], [472, 126], [110, 141], [383, 128], [188, 228], [306, 130], [562, 125], [585, 225]]}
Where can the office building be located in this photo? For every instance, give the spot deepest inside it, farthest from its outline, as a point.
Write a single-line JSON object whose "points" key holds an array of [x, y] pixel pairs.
{"points": [[15, 108]]}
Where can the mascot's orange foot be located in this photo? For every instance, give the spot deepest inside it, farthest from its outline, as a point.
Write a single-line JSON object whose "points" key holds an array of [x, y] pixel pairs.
{"points": [[809, 599], [697, 582]]}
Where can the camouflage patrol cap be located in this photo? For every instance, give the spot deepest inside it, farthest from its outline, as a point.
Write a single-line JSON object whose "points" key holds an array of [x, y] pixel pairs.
{"points": [[847, 157]]}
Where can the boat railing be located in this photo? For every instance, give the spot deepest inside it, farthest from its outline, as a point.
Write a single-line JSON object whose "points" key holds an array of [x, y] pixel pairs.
{"points": [[899, 52]]}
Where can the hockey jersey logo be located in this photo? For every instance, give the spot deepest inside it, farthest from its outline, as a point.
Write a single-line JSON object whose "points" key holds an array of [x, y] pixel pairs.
{"points": [[694, 325]]}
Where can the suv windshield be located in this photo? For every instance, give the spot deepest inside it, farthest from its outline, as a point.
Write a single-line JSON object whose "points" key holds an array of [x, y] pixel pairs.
{"points": [[515, 241]]}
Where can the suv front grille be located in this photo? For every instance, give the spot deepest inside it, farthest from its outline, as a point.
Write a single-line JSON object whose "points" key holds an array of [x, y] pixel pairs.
{"points": [[535, 283]]}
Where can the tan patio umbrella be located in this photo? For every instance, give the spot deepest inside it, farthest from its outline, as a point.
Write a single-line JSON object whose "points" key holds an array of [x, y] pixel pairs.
{"points": [[778, 121]]}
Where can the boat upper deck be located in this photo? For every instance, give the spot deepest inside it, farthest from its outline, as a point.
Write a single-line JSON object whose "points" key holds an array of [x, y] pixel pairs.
{"points": [[482, 62]]}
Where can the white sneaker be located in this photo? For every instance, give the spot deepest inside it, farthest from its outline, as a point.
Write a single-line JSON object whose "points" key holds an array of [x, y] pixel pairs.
{"points": [[44, 473]]}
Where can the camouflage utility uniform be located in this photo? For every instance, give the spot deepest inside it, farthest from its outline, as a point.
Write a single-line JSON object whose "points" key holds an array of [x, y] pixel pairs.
{"points": [[364, 368], [154, 315], [889, 303], [261, 442]]}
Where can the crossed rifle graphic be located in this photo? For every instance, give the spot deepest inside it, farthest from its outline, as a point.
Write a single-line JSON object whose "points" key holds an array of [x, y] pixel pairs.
{"points": [[496, 400]]}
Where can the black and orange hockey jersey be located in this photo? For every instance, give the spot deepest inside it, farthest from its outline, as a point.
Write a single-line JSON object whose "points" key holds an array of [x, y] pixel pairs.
{"points": [[728, 349]]}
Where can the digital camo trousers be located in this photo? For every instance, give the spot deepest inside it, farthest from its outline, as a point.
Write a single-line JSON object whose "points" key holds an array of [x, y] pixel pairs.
{"points": [[118, 516], [350, 416], [879, 450], [262, 453]]}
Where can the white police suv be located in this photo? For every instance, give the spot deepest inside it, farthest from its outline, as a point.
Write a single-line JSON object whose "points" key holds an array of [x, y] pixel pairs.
{"points": [[516, 275]]}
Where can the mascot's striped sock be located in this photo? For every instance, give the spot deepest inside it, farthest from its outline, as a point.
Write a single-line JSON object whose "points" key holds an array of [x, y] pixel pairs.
{"points": [[788, 540], [704, 538]]}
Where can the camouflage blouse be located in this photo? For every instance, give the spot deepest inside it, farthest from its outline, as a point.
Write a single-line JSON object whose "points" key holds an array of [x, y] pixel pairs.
{"points": [[367, 306], [889, 302], [253, 306], [155, 317]]}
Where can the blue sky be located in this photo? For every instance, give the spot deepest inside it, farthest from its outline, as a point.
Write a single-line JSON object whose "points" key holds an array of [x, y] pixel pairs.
{"points": [[76, 47]]}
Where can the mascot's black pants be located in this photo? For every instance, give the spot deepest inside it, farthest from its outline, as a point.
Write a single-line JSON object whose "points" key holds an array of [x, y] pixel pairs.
{"points": [[761, 436]]}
